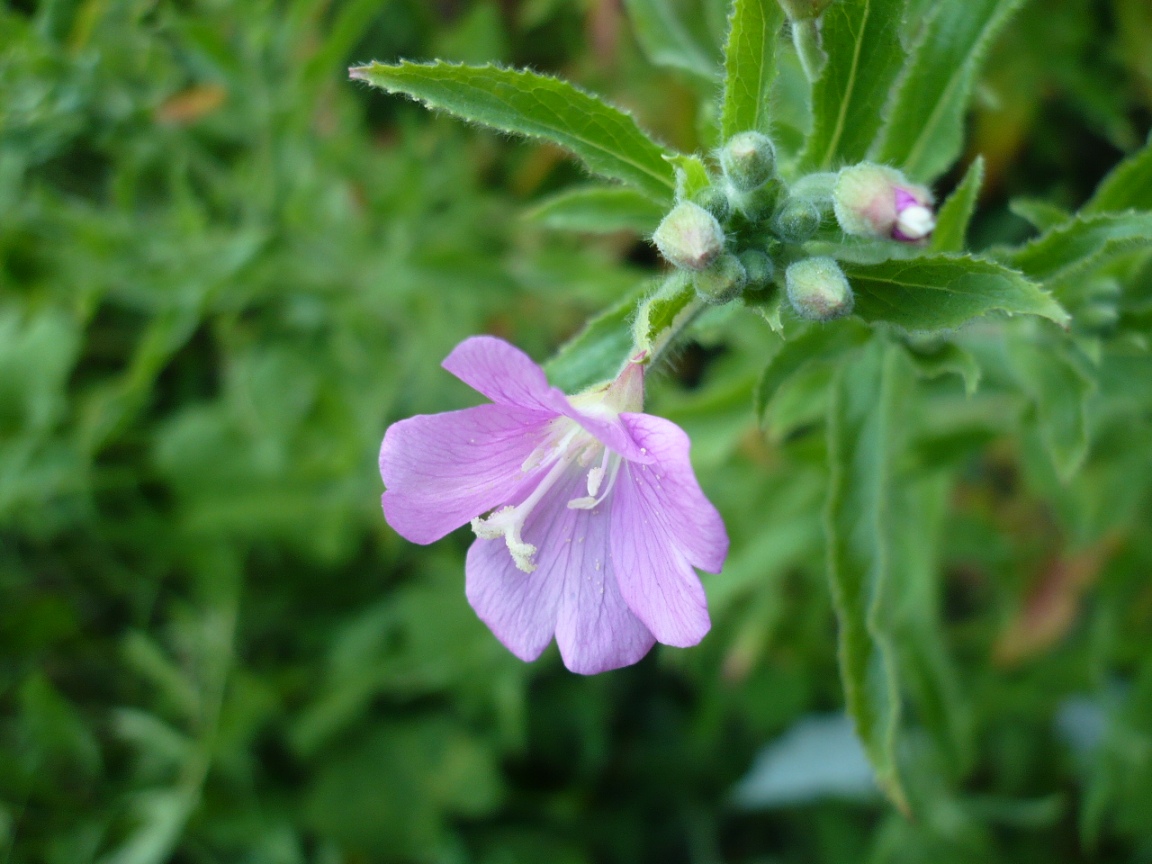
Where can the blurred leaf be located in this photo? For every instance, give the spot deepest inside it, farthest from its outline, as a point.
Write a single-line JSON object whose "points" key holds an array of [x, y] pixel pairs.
{"points": [[1128, 186], [862, 40], [819, 344], [1071, 250], [598, 351], [668, 39], [941, 291], [948, 358], [598, 210], [160, 816], [750, 67], [863, 418], [525, 103], [924, 126], [955, 213], [1041, 215]]}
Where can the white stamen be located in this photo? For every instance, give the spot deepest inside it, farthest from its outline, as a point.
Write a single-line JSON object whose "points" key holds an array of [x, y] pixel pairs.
{"points": [[508, 521], [916, 222], [610, 465]]}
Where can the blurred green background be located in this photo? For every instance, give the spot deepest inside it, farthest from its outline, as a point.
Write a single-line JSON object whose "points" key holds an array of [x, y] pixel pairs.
{"points": [[225, 269]]}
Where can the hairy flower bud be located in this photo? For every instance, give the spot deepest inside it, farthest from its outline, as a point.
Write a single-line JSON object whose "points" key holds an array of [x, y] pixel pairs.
{"points": [[689, 237], [715, 201], [797, 220], [818, 289], [800, 10], [748, 160], [723, 282], [759, 268], [878, 201]]}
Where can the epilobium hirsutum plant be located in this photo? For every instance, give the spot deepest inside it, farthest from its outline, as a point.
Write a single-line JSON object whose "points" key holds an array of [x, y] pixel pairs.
{"points": [[816, 214]]}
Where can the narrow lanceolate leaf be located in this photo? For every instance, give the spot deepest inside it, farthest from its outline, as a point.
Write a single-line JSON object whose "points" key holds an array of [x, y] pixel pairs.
{"points": [[816, 345], [664, 314], [668, 40], [924, 131], [691, 175], [599, 210], [1127, 187], [948, 359], [1059, 383], [599, 350], [524, 103], [1072, 249], [1040, 214], [862, 40], [955, 214], [941, 291], [863, 422], [750, 66]]}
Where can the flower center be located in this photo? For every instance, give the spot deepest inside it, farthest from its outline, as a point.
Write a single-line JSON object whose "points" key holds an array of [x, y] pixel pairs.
{"points": [[569, 445]]}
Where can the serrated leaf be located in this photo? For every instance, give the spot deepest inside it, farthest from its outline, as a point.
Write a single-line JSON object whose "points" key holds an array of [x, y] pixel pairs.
{"points": [[924, 131], [863, 418], [940, 291], [818, 344], [668, 40], [948, 359], [598, 210], [598, 351], [1040, 214], [1073, 249], [955, 214], [525, 103], [1059, 385], [665, 313], [1128, 186], [862, 40], [750, 66]]}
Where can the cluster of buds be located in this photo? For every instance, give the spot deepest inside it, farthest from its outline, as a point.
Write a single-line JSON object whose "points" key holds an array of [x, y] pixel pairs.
{"points": [[748, 231]]}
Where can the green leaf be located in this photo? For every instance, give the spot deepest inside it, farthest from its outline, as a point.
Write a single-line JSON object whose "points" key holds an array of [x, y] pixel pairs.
{"points": [[665, 314], [862, 39], [598, 210], [598, 351], [863, 418], [1040, 214], [948, 359], [525, 103], [941, 291], [955, 214], [750, 66], [924, 131], [1071, 250], [1059, 384], [1128, 186], [691, 175], [668, 40], [818, 344]]}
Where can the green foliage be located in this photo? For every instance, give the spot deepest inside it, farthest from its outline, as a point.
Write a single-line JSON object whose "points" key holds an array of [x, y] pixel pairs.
{"points": [[225, 270]]}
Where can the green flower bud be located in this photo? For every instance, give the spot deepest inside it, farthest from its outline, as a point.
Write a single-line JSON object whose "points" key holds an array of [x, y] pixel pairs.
{"points": [[715, 201], [797, 220], [760, 203], [818, 289], [689, 237], [801, 10], [759, 268], [748, 160], [723, 282]]}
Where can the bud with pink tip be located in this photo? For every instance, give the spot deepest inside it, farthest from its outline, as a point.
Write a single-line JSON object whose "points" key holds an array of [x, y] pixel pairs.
{"points": [[689, 237], [878, 201]]}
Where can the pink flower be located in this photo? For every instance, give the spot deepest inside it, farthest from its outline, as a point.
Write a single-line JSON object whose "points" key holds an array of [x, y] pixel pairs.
{"points": [[878, 201], [594, 516]]}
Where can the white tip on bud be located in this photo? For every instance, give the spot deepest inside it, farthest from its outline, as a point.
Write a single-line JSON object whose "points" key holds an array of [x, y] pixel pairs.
{"points": [[878, 201]]}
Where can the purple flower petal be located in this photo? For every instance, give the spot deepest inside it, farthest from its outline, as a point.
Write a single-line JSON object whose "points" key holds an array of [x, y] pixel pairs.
{"points": [[572, 592], [671, 490], [443, 470], [504, 374]]}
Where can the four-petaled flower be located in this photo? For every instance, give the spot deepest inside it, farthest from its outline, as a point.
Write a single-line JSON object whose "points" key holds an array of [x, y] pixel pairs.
{"points": [[588, 517]]}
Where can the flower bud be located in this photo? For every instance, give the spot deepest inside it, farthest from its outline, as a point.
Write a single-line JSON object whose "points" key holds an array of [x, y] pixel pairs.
{"points": [[797, 220], [715, 201], [818, 289], [689, 237], [723, 282], [759, 267], [800, 10], [761, 203], [748, 160], [877, 201]]}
